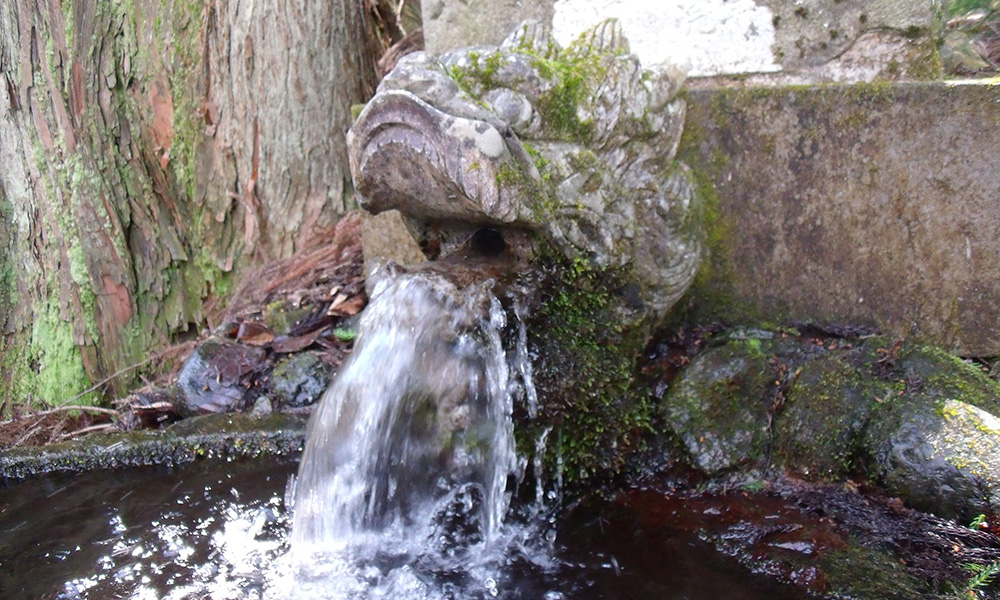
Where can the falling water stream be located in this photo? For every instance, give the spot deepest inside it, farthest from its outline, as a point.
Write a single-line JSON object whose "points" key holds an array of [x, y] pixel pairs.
{"points": [[404, 483]]}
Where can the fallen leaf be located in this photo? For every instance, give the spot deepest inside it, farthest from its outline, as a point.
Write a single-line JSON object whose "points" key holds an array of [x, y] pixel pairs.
{"points": [[296, 343], [342, 307], [338, 300], [254, 333]]}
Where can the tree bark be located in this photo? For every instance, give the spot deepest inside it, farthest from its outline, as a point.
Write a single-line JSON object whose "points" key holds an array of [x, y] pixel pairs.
{"points": [[150, 151]]}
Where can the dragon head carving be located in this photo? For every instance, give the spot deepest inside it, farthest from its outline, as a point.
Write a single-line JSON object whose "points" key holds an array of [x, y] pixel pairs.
{"points": [[574, 145]]}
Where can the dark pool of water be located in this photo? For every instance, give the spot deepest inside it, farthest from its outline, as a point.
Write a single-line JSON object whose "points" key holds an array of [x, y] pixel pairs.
{"points": [[219, 530]]}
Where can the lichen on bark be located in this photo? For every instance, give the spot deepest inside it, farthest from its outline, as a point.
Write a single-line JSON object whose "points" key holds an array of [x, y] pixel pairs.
{"points": [[127, 201]]}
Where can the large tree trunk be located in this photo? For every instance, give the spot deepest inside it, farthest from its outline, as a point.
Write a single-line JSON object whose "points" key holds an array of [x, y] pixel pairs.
{"points": [[149, 152]]}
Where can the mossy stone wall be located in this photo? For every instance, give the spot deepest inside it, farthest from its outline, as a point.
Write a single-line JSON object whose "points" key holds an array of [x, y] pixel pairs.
{"points": [[868, 204]]}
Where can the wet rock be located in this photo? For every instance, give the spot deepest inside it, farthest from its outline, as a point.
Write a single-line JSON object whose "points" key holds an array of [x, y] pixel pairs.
{"points": [[938, 455], [261, 406], [719, 407], [216, 377], [300, 380], [826, 408]]}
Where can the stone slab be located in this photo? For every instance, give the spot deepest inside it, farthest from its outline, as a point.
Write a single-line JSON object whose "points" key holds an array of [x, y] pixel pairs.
{"points": [[876, 204]]}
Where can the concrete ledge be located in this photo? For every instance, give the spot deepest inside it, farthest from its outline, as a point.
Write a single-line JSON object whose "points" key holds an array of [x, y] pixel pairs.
{"points": [[211, 436], [874, 204]]}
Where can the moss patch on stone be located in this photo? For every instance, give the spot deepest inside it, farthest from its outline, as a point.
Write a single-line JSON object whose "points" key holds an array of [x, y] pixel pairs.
{"points": [[870, 574], [710, 294], [826, 408], [573, 74], [586, 372], [944, 376]]}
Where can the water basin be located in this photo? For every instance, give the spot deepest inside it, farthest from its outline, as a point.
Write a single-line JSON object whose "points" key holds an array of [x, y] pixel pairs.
{"points": [[220, 530]]}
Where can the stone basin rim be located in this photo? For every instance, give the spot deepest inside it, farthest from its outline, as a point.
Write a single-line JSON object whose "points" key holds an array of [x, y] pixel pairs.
{"points": [[217, 436]]}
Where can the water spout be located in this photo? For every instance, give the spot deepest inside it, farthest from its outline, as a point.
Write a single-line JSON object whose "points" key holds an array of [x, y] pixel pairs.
{"points": [[415, 433]]}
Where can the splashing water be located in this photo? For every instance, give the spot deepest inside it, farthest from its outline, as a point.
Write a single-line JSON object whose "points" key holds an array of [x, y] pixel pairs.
{"points": [[404, 480]]}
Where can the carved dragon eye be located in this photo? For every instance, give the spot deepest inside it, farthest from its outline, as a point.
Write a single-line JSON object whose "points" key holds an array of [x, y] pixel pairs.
{"points": [[487, 242]]}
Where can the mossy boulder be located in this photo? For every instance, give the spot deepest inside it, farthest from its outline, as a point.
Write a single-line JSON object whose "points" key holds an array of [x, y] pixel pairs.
{"points": [[936, 443], [939, 456], [915, 420], [825, 410], [719, 408]]}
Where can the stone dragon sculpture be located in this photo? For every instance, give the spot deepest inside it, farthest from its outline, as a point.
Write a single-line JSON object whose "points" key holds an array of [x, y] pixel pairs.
{"points": [[576, 145]]}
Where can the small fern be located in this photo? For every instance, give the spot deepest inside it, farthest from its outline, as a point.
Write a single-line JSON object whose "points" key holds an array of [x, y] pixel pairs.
{"points": [[982, 576]]}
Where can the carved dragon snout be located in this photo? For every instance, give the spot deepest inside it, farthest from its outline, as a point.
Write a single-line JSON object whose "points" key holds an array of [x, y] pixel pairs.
{"points": [[408, 155]]}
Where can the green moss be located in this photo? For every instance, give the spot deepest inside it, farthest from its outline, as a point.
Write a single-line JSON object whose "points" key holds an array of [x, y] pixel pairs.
{"points": [[710, 293], [854, 120], [8, 274], [927, 65], [70, 22], [85, 290], [559, 106], [586, 350], [961, 7], [944, 376], [827, 406], [861, 572], [58, 372], [878, 93], [573, 74], [187, 97], [216, 280]]}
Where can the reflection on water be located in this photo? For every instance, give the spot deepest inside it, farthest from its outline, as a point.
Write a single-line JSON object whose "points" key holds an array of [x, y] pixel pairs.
{"points": [[205, 531], [220, 531]]}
